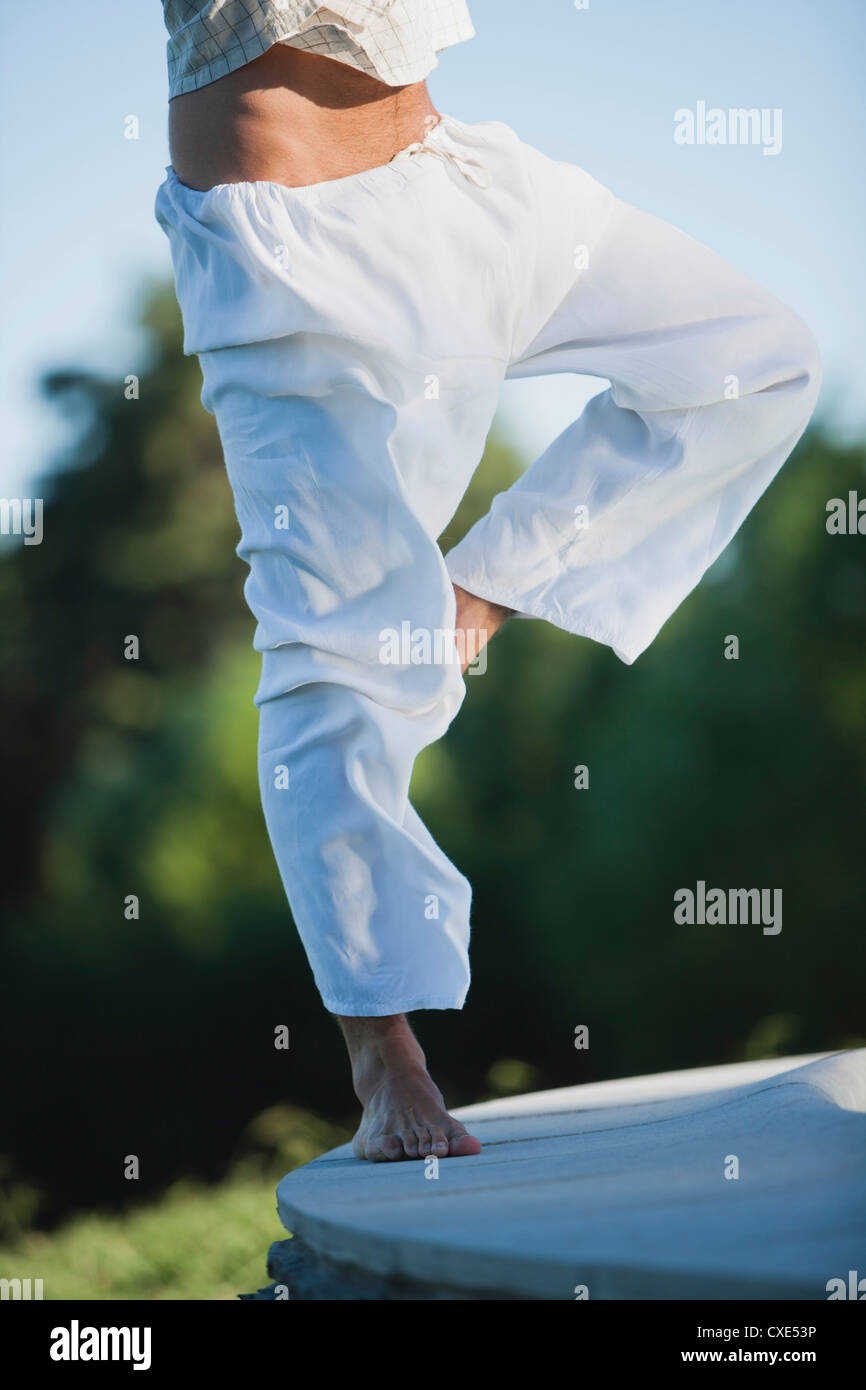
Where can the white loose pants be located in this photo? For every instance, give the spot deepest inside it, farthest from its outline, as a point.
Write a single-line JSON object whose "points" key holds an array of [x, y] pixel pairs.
{"points": [[353, 337]]}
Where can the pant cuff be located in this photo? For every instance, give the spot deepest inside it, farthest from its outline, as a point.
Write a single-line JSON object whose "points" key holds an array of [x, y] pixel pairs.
{"points": [[356, 1008]]}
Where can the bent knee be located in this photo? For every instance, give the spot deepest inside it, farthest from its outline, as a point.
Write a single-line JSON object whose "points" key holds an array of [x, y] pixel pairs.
{"points": [[774, 364], [804, 355], [421, 666]]}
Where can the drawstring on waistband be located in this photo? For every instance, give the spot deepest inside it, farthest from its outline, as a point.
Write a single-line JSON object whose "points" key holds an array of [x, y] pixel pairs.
{"points": [[471, 168]]}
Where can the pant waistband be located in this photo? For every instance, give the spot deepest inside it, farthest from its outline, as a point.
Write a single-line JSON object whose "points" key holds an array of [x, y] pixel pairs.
{"points": [[440, 140]]}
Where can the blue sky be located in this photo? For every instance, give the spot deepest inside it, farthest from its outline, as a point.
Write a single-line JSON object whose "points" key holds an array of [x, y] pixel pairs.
{"points": [[597, 86]]}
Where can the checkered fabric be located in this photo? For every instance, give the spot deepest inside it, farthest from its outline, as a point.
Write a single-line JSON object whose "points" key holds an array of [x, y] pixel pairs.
{"points": [[393, 40]]}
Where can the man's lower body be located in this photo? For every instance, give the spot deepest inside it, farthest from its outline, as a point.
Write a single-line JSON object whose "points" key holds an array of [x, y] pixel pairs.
{"points": [[353, 337]]}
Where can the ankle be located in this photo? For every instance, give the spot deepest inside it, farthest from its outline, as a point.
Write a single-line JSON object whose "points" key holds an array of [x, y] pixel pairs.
{"points": [[378, 1048]]}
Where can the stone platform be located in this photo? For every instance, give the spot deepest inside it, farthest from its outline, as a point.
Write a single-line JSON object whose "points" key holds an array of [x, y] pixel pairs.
{"points": [[614, 1190]]}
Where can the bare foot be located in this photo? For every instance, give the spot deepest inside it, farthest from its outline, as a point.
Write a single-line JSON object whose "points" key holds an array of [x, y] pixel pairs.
{"points": [[404, 1112]]}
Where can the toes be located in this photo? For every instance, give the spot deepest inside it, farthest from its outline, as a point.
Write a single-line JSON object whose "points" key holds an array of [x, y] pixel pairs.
{"points": [[409, 1140], [385, 1148], [438, 1141], [425, 1143], [462, 1145]]}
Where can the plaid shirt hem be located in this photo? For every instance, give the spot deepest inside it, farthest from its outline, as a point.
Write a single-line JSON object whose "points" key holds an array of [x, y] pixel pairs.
{"points": [[395, 41]]}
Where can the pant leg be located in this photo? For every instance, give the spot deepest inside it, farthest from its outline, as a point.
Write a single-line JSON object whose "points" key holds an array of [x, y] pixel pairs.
{"points": [[712, 383], [352, 343], [340, 561]]}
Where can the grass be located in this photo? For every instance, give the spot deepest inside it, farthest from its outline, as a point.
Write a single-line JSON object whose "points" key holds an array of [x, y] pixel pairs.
{"points": [[194, 1242]]}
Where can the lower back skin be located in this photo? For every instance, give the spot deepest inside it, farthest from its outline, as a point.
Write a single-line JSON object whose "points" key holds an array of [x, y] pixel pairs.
{"points": [[293, 118]]}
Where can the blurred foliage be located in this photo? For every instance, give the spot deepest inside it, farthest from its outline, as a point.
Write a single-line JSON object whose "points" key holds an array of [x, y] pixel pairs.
{"points": [[154, 1036], [508, 1077], [197, 1242], [284, 1137]]}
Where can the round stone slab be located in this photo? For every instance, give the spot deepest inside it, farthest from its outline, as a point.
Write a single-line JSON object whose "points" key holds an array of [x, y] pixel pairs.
{"points": [[744, 1181]]}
